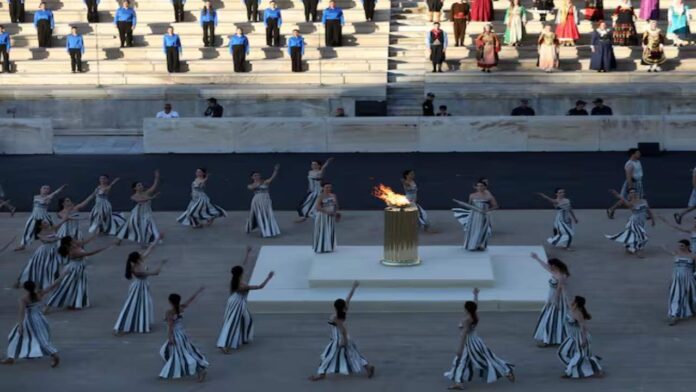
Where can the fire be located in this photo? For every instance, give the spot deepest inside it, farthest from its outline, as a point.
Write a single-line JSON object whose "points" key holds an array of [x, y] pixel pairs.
{"points": [[390, 197]]}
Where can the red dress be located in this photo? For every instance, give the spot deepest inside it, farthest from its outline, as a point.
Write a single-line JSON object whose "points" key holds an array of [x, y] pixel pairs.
{"points": [[567, 29], [482, 11]]}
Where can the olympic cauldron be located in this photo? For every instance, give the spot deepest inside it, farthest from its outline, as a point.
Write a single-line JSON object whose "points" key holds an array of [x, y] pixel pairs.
{"points": [[400, 228]]}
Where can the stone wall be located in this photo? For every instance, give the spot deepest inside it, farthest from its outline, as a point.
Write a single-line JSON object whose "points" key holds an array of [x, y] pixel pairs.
{"points": [[26, 136]]}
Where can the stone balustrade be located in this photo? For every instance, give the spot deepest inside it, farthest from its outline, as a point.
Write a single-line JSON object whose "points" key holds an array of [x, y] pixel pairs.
{"points": [[26, 136]]}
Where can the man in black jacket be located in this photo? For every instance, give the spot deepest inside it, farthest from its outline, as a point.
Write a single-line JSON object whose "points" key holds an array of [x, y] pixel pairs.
{"points": [[428, 108], [214, 110]]}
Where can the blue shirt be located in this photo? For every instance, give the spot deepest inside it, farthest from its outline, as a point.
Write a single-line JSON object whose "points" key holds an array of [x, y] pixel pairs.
{"points": [[125, 15], [171, 41], [332, 14], [271, 13], [296, 42], [74, 42], [239, 40], [208, 16], [44, 15], [5, 40]]}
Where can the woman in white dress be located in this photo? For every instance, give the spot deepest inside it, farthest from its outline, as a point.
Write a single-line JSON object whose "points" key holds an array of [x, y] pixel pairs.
{"points": [[473, 357], [71, 212], [633, 236], [341, 355], [181, 357], [31, 336], [44, 264], [261, 211], [141, 227], [324, 239], [39, 213], [682, 291], [201, 212], [564, 222], [691, 205], [474, 217], [102, 218], [576, 350], [408, 181], [238, 326], [137, 313], [315, 176], [550, 329]]}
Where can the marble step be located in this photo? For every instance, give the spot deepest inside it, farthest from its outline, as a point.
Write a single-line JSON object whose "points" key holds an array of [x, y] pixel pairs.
{"points": [[466, 78], [532, 27], [78, 5], [567, 65]]}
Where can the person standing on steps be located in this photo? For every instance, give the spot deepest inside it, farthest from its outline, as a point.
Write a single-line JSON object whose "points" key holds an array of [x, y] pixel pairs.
{"points": [[92, 10], [333, 21], [172, 49], [436, 41], [296, 48], [75, 46], [369, 7], [16, 8], [44, 23], [125, 20], [252, 10], [208, 20], [461, 15], [434, 10], [5, 46], [272, 20], [239, 48], [310, 10], [178, 10]]}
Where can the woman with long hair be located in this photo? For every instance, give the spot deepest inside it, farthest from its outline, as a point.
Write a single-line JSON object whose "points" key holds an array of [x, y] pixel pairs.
{"points": [[315, 176], [564, 222], [515, 21], [201, 212], [181, 357], [141, 227], [567, 20], [576, 351], [238, 326], [633, 236], [44, 264], [408, 181], [31, 336], [473, 357], [136, 314], [550, 329], [682, 291], [341, 355], [39, 213], [102, 218], [324, 239], [473, 216], [261, 211], [67, 210]]}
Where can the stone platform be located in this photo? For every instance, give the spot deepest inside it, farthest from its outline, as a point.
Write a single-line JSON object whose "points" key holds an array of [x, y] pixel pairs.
{"points": [[306, 282]]}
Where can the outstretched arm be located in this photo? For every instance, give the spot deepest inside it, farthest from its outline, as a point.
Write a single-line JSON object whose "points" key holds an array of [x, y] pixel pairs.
{"points": [[276, 168], [93, 252], [247, 253], [193, 297], [672, 225], [157, 270], [149, 249], [543, 196], [543, 263], [115, 180], [352, 291], [50, 288], [84, 202], [57, 191], [155, 183], [263, 284], [325, 165], [476, 292]]}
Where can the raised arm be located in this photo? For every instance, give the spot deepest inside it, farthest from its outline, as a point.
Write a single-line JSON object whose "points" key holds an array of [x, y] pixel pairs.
{"points": [[93, 252], [543, 196], [325, 165], [672, 225], [57, 191], [88, 239], [476, 292], [149, 249], [263, 284], [247, 254], [352, 291], [273, 176], [543, 263], [155, 183], [156, 271], [84, 202], [193, 297], [117, 179]]}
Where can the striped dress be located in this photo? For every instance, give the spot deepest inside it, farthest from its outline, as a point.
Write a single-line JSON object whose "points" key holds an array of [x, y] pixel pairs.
{"points": [[476, 225], [71, 227], [306, 207], [633, 236], [563, 227], [140, 227], [44, 264], [477, 360], [72, 291], [324, 239], [182, 358], [35, 339], [637, 179], [692, 197], [579, 360], [261, 214], [200, 209], [340, 360], [550, 328], [411, 192], [136, 313], [237, 326], [102, 218], [682, 291], [39, 212]]}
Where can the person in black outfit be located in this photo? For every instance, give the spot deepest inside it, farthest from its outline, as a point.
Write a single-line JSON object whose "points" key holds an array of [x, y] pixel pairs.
{"points": [[16, 11], [310, 10], [252, 8], [369, 7], [442, 111], [92, 11], [428, 108], [214, 110], [178, 10], [600, 109], [523, 109], [579, 109]]}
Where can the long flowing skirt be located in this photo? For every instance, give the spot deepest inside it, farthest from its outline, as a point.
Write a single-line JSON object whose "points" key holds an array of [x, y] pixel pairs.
{"points": [[103, 220], [488, 57], [261, 216], [633, 236], [136, 313], [43, 266], [567, 31], [423, 220], [550, 328], [30, 226], [181, 358], [306, 208], [70, 228], [341, 360], [624, 34], [477, 228], [72, 291], [482, 11], [682, 294], [140, 228], [477, 359], [200, 210], [563, 232], [603, 58], [548, 57], [579, 361], [324, 240], [238, 326], [514, 33], [35, 339]]}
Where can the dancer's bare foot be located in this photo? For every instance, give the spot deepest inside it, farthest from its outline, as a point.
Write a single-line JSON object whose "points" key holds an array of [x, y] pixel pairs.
{"points": [[370, 371], [209, 223], [456, 387], [511, 377], [201, 375], [317, 377], [672, 321], [225, 350], [7, 361], [304, 218], [610, 213]]}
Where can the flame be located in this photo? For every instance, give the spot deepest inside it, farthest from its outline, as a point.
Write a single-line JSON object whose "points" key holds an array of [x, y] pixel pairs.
{"points": [[390, 197]]}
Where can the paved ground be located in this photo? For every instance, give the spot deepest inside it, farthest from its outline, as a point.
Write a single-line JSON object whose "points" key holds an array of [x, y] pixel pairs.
{"points": [[626, 296], [514, 177]]}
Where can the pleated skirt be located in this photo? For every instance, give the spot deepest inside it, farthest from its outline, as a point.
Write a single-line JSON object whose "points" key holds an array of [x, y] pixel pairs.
{"points": [[137, 312], [35, 339], [682, 293], [200, 210], [72, 291], [261, 216], [43, 266], [182, 358], [103, 220], [477, 360], [237, 326], [324, 239]]}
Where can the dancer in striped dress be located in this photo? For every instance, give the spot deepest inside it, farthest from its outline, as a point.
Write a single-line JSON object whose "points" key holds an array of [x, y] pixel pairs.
{"points": [[237, 326], [564, 222], [473, 357], [70, 211], [682, 291], [200, 211], [73, 293], [550, 329], [576, 350], [39, 213], [408, 181], [44, 265], [474, 217], [633, 171], [136, 313], [324, 240], [102, 218], [691, 205], [315, 176], [31, 336], [633, 236], [341, 355], [181, 357], [141, 227], [261, 212]]}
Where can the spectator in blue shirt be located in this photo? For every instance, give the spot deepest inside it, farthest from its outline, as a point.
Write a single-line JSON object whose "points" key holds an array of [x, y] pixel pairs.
{"points": [[178, 10], [172, 48], [16, 11], [332, 18], [209, 21], [369, 7], [272, 20], [310, 10], [296, 47], [92, 11], [5, 46], [44, 23], [239, 47], [76, 48], [252, 8], [125, 19]]}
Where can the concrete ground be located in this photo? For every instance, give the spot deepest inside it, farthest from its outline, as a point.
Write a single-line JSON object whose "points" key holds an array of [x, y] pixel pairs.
{"points": [[626, 296]]}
